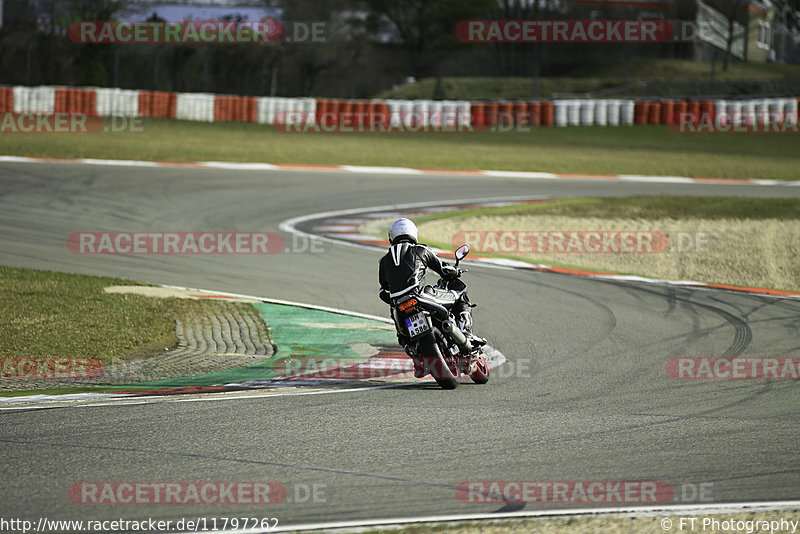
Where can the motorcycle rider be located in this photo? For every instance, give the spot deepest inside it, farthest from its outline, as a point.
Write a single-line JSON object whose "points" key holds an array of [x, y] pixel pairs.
{"points": [[402, 270]]}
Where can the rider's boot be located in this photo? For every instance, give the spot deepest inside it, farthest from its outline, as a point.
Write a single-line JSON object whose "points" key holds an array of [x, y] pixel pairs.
{"points": [[419, 365], [465, 324]]}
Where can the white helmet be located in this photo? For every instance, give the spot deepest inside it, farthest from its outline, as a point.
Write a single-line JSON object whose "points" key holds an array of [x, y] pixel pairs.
{"points": [[403, 227]]}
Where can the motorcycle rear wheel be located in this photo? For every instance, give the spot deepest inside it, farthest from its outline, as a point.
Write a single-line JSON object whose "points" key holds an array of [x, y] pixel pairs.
{"points": [[435, 362]]}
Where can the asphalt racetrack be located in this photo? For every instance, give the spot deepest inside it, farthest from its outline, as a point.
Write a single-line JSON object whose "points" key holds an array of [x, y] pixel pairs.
{"points": [[584, 395]]}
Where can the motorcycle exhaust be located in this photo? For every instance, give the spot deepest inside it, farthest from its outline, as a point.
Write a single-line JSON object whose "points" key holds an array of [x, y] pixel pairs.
{"points": [[451, 329]]}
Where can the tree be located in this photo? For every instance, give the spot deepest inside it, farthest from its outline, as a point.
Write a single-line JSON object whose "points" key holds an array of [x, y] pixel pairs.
{"points": [[301, 64], [734, 11], [787, 12], [427, 28]]}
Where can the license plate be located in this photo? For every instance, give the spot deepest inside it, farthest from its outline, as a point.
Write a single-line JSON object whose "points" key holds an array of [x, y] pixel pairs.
{"points": [[418, 324]]}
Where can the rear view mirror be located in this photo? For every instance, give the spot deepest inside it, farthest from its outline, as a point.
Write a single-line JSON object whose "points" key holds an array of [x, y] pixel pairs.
{"points": [[461, 252]]}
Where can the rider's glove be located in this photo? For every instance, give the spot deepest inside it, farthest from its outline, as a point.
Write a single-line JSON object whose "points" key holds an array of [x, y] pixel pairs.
{"points": [[384, 296], [448, 271]]}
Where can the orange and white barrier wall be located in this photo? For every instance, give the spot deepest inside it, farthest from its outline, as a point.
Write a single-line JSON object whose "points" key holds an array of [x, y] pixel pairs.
{"points": [[272, 110]]}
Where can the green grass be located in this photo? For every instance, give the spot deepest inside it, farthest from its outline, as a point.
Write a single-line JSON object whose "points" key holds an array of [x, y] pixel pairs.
{"points": [[652, 150], [643, 207], [59, 391], [631, 207], [49, 314], [593, 79]]}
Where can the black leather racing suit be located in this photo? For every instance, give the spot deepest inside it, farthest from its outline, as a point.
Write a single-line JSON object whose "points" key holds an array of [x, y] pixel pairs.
{"points": [[402, 270]]}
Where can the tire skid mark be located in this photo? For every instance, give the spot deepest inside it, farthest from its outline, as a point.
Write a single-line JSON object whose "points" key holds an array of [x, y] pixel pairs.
{"points": [[743, 334], [280, 465], [608, 324]]}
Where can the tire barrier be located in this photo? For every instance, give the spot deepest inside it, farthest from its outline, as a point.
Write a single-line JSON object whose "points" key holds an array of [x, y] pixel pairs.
{"points": [[195, 107], [6, 100], [276, 110], [235, 109], [490, 116], [627, 108], [535, 113], [548, 110], [613, 113], [693, 109], [561, 113], [681, 107], [574, 112], [434, 114], [587, 112], [520, 113], [601, 113], [119, 102], [72, 100], [654, 116], [667, 112], [157, 104], [34, 99], [706, 108], [378, 115], [505, 113], [735, 108], [642, 111]]}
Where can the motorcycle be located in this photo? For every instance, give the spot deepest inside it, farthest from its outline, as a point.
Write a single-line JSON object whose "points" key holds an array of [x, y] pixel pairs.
{"points": [[437, 343]]}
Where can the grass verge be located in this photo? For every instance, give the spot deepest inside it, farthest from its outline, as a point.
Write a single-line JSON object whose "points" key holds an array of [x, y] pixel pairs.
{"points": [[738, 241], [650, 150], [603, 76], [50, 314], [643, 207]]}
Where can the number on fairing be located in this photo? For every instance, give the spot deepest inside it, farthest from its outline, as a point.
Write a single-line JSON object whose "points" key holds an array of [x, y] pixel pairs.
{"points": [[417, 324]]}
